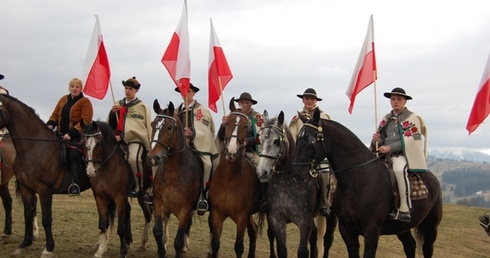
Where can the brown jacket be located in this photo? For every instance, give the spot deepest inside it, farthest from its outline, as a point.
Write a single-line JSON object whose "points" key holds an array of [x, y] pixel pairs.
{"points": [[82, 109]]}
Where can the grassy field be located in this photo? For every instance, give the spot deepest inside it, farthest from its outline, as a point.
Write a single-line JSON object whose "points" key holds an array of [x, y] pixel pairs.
{"points": [[75, 232]]}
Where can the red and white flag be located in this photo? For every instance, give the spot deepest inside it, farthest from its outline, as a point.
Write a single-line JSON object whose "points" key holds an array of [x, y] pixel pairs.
{"points": [[97, 65], [219, 73], [365, 71], [481, 106], [177, 56]]}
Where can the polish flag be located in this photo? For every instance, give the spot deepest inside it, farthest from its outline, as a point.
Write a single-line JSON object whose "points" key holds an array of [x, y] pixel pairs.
{"points": [[481, 106], [365, 71], [177, 56], [97, 65], [219, 73]]}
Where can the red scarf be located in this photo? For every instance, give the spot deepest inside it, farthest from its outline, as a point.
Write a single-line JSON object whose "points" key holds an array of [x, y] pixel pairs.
{"points": [[120, 123]]}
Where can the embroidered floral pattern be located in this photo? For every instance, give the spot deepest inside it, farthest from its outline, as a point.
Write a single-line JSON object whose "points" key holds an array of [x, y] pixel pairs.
{"points": [[258, 120], [382, 123], [198, 115], [409, 129]]}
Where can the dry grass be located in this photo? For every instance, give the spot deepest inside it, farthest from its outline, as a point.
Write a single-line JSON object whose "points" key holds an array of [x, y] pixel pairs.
{"points": [[75, 232]]}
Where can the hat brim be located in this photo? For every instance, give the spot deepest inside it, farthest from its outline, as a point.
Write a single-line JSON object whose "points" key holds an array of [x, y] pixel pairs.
{"points": [[194, 88], [1, 76], [253, 100], [311, 95], [388, 95]]}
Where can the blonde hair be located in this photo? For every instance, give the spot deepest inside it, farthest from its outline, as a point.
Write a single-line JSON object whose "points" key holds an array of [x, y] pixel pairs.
{"points": [[75, 81]]}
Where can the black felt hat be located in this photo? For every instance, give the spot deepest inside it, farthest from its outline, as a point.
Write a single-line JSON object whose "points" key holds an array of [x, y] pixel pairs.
{"points": [[309, 92], [397, 91]]}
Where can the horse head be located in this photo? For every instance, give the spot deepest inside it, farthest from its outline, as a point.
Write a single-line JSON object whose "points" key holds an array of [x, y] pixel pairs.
{"points": [[235, 131], [168, 134], [98, 145], [310, 143], [273, 137]]}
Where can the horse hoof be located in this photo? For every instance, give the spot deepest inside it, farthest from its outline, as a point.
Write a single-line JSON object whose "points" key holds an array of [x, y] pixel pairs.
{"points": [[4, 236], [20, 251], [47, 254]]}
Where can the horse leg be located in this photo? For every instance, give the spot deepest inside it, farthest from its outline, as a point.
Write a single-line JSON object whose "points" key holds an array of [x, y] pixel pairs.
{"points": [[252, 236], [305, 229], [215, 222], [351, 239], [46, 199], [321, 226], [329, 236], [7, 206], [180, 237], [279, 229], [408, 242], [123, 221], [371, 239], [28, 199], [270, 235], [427, 229], [187, 233], [146, 228], [158, 227], [102, 210]]}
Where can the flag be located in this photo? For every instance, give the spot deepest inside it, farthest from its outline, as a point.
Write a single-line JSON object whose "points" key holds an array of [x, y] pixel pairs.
{"points": [[219, 73], [97, 65], [365, 71], [481, 105], [177, 56]]}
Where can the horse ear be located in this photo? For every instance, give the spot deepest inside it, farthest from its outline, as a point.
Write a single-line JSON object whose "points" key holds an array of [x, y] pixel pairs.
{"points": [[302, 117], [316, 115], [266, 115], [156, 107], [280, 119], [232, 104], [94, 125], [171, 108]]}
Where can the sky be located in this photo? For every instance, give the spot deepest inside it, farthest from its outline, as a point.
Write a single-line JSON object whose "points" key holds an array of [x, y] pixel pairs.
{"points": [[435, 50]]}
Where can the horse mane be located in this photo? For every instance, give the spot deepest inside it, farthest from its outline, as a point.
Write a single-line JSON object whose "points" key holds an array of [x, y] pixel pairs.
{"points": [[106, 130], [24, 106], [355, 144]]}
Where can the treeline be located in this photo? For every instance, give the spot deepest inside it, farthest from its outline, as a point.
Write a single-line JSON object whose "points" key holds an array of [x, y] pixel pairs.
{"points": [[468, 181]]}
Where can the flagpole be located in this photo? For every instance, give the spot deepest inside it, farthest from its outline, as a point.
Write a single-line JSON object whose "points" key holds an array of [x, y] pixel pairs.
{"points": [[221, 95], [113, 99]]}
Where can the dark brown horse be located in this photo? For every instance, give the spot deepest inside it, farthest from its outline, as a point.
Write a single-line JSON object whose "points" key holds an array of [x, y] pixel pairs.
{"points": [[290, 200], [110, 177], [365, 195], [234, 188], [38, 167], [176, 184]]}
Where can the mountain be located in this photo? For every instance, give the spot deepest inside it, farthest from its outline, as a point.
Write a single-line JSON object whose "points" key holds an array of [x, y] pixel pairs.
{"points": [[459, 154]]}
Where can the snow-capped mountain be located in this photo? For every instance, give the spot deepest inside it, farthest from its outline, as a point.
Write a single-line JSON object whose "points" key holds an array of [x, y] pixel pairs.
{"points": [[459, 154]]}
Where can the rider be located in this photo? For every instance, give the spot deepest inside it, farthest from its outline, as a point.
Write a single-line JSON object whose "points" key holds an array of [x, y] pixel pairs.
{"points": [[310, 100], [68, 114], [256, 121], [399, 136], [130, 119], [199, 130]]}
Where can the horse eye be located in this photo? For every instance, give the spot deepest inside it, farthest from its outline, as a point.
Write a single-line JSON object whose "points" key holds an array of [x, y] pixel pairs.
{"points": [[276, 141]]}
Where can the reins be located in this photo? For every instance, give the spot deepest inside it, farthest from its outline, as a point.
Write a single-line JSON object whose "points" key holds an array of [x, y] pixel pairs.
{"points": [[100, 161], [283, 143], [167, 146]]}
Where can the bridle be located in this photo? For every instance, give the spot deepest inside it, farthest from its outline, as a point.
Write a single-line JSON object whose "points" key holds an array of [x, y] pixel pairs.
{"points": [[240, 141], [98, 139], [282, 146], [166, 146]]}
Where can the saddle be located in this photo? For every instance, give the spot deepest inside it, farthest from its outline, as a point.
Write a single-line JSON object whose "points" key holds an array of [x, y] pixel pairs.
{"points": [[418, 190]]}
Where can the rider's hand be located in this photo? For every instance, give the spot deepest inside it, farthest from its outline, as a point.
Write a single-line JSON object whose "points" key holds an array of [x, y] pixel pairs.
{"points": [[118, 138], [376, 137], [115, 108]]}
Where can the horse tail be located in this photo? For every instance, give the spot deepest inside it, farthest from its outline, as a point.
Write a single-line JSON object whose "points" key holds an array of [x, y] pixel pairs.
{"points": [[262, 218], [17, 190]]}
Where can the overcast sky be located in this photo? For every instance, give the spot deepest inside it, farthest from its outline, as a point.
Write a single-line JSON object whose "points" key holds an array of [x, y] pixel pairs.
{"points": [[435, 50]]}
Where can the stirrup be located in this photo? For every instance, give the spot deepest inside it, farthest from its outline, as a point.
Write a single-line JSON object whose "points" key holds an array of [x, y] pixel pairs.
{"points": [[73, 190], [148, 198], [202, 207]]}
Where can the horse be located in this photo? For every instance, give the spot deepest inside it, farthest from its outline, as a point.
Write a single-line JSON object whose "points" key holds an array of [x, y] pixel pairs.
{"points": [[176, 184], [485, 222], [234, 188], [110, 177], [38, 167], [286, 193], [365, 194]]}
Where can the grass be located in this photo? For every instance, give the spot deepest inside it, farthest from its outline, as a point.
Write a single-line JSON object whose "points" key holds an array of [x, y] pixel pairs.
{"points": [[75, 223]]}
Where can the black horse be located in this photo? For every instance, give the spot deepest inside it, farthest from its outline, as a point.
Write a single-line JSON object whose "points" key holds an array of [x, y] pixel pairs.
{"points": [[365, 195]]}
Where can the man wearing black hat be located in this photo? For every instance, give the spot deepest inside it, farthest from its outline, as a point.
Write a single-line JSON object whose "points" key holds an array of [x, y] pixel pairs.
{"points": [[328, 182], [130, 119], [199, 130], [399, 136]]}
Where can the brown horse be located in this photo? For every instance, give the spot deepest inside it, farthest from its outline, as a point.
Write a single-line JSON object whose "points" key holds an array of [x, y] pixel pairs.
{"points": [[110, 177], [38, 167], [365, 195], [234, 188], [176, 184]]}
